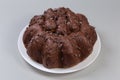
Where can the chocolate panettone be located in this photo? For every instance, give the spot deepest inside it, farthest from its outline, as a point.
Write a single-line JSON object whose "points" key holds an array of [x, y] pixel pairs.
{"points": [[59, 38]]}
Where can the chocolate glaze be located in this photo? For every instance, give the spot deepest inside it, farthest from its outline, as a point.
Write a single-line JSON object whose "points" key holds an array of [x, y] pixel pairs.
{"points": [[59, 38]]}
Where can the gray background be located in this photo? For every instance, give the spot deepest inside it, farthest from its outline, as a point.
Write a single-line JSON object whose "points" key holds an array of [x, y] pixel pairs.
{"points": [[103, 14]]}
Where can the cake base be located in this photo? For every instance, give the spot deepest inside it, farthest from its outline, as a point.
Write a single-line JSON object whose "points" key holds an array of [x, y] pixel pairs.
{"points": [[85, 63]]}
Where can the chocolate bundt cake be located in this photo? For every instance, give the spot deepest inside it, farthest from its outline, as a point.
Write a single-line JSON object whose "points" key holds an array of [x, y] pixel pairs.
{"points": [[59, 38]]}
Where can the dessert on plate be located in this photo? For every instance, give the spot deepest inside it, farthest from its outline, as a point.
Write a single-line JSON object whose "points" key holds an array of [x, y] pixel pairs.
{"points": [[59, 38]]}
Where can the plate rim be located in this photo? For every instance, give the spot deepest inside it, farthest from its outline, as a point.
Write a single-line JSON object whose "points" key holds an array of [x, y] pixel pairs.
{"points": [[32, 62]]}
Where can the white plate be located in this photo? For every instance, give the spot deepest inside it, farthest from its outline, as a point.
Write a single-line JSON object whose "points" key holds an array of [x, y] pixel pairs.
{"points": [[90, 59]]}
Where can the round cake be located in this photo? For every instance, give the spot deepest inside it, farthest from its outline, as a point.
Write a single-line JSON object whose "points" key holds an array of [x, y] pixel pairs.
{"points": [[59, 38]]}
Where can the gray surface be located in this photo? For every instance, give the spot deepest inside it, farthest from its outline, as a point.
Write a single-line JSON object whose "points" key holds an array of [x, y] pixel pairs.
{"points": [[103, 14]]}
